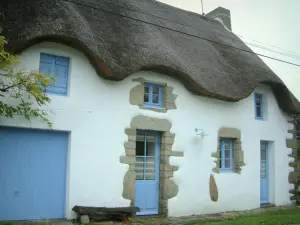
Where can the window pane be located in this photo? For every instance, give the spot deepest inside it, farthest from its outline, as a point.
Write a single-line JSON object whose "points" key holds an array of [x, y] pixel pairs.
{"points": [[257, 100], [263, 151], [146, 89], [226, 145], [140, 145], [227, 153], [258, 105], [146, 97], [263, 155], [140, 137], [263, 165], [139, 168], [258, 111], [155, 90], [263, 169], [227, 163], [150, 168], [150, 150], [220, 161], [155, 99], [263, 146]]}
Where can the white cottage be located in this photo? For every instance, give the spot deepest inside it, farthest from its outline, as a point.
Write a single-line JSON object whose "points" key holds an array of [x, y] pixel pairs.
{"points": [[153, 107]]}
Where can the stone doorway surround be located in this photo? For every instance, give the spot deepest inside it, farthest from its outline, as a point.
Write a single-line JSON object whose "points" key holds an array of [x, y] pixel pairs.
{"points": [[168, 189]]}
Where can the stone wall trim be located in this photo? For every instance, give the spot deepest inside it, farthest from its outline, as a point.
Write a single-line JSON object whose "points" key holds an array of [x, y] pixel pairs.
{"points": [[168, 188], [137, 96], [294, 176], [228, 132], [238, 154], [213, 189], [292, 143]]}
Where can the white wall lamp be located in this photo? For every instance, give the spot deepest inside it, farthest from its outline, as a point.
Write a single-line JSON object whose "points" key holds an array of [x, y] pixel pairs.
{"points": [[200, 132]]}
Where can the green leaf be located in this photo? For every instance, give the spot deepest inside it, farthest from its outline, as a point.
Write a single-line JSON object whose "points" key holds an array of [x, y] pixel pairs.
{"points": [[26, 86]]}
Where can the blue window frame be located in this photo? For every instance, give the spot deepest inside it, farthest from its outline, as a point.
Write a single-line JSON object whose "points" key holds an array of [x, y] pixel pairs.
{"points": [[226, 155], [153, 95], [258, 103], [58, 67], [147, 155], [263, 159]]}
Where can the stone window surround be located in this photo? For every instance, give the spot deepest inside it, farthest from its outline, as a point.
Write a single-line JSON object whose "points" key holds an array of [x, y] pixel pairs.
{"points": [[137, 96], [237, 153], [167, 188]]}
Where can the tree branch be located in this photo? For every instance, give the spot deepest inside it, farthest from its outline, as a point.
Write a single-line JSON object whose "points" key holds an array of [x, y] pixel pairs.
{"points": [[6, 88]]}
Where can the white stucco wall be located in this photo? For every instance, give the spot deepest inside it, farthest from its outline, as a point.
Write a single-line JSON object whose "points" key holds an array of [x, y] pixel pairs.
{"points": [[97, 111]]}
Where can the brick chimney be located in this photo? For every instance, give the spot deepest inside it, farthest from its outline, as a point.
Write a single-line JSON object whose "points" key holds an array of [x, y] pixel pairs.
{"points": [[222, 15]]}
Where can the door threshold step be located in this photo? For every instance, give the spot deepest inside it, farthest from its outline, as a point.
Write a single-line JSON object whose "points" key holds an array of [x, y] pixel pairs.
{"points": [[267, 205]]}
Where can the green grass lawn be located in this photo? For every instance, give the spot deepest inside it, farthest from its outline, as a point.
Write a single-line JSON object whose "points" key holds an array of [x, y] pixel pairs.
{"points": [[279, 217], [271, 217]]}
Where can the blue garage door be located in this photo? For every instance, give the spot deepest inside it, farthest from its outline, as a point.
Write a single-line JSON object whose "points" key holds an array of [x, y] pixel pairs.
{"points": [[32, 174]]}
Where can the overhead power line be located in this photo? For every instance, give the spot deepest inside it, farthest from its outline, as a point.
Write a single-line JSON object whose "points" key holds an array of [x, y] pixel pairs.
{"points": [[273, 46], [270, 50], [290, 54], [178, 31]]}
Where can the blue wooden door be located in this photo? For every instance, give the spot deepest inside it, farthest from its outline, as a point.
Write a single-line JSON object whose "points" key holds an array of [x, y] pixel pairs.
{"points": [[264, 173], [147, 173], [32, 174]]}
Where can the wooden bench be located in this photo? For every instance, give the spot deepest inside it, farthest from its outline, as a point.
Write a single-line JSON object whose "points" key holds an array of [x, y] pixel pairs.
{"points": [[105, 214]]}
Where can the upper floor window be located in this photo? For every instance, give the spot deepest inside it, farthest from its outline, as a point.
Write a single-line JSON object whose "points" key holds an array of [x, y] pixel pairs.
{"points": [[226, 154], [258, 101], [58, 67], [153, 95]]}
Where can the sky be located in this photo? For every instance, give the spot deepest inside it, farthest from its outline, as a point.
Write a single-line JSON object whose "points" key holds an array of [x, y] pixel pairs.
{"points": [[273, 24]]}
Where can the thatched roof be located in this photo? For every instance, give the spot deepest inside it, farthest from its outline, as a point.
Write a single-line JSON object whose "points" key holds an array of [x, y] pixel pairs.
{"points": [[118, 44]]}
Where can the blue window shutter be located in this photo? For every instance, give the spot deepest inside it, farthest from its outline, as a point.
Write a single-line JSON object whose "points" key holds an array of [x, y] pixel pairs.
{"points": [[46, 68], [63, 61], [58, 67], [47, 65], [46, 58]]}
